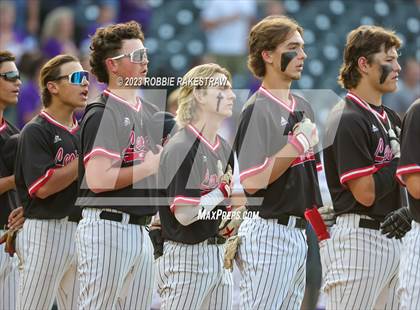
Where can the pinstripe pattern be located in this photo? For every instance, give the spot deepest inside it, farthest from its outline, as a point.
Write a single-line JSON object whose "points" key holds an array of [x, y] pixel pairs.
{"points": [[409, 287], [271, 259], [47, 265], [359, 266], [115, 263], [8, 279], [191, 276]]}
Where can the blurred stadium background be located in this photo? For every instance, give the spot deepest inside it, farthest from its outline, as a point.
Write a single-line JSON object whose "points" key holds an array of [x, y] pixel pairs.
{"points": [[180, 34]]}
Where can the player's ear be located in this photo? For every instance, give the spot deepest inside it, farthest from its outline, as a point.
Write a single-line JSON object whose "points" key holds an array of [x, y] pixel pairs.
{"points": [[362, 64], [111, 65], [52, 88], [198, 95], [267, 56]]}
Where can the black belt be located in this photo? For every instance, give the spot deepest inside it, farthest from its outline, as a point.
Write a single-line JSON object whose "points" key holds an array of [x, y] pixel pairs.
{"points": [[73, 220], [284, 220], [371, 224], [142, 220], [216, 240]]}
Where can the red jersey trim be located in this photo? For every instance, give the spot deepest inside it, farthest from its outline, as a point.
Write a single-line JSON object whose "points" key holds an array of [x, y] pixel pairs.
{"points": [[51, 120], [40, 182], [254, 170], [319, 167], [408, 169], [289, 108], [365, 105], [3, 125], [182, 200], [100, 152], [116, 97], [357, 173], [202, 138]]}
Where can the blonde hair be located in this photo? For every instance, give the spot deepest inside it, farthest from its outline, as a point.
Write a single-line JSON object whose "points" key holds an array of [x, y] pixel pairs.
{"points": [[51, 28], [197, 78]]}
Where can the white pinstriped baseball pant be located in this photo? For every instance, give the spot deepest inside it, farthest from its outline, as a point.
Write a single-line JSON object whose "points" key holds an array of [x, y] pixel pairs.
{"points": [[8, 279], [359, 267]]}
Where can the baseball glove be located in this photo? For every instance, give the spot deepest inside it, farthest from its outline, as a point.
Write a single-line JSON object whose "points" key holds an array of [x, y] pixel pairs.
{"points": [[9, 237], [231, 248]]}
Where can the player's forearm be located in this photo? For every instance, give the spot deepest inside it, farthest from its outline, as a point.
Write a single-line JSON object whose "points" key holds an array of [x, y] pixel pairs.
{"points": [[412, 182], [113, 179], [186, 214], [277, 166], [60, 180], [7, 183]]}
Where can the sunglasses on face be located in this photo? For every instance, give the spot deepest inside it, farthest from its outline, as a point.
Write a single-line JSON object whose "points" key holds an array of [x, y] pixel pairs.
{"points": [[138, 56], [76, 78], [11, 76]]}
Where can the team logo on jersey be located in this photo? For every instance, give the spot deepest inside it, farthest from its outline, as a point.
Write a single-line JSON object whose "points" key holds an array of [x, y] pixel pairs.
{"points": [[283, 121], [210, 182], [137, 148], [383, 153], [126, 121], [57, 139], [62, 159], [374, 128]]}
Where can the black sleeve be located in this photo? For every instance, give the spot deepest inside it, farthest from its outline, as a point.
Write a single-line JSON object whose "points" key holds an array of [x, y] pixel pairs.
{"points": [[257, 139], [410, 147], [36, 157], [181, 173], [99, 136], [351, 149]]}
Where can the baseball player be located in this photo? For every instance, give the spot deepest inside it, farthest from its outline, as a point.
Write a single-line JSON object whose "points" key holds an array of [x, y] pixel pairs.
{"points": [[360, 265], [9, 91], [46, 173], [275, 145], [190, 272], [115, 252], [408, 173]]}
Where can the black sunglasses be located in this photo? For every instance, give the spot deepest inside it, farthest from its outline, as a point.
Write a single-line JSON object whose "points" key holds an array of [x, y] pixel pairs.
{"points": [[11, 76]]}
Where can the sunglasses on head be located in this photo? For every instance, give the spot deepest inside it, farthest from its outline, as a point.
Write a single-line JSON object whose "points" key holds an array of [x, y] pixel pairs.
{"points": [[11, 76], [76, 78], [138, 56]]}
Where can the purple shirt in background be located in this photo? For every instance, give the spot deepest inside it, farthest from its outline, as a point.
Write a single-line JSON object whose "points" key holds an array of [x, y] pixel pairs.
{"points": [[29, 101], [52, 48], [136, 10]]}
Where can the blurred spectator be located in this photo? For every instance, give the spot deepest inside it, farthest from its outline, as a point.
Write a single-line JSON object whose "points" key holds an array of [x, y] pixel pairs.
{"points": [[138, 10], [273, 8], [57, 33], [106, 16], [408, 88], [11, 39], [226, 25], [29, 102]]}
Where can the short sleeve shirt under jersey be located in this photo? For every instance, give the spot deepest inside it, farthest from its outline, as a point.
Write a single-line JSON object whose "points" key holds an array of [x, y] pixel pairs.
{"points": [[265, 127], [44, 146], [410, 153], [189, 170], [114, 128], [8, 200], [358, 145]]}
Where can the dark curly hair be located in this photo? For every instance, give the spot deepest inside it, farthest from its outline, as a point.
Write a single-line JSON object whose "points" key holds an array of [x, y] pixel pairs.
{"points": [[364, 41], [266, 36], [107, 41]]}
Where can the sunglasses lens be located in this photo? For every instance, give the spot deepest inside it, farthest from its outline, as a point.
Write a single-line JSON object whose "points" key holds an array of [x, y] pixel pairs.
{"points": [[139, 56], [78, 77], [12, 76]]}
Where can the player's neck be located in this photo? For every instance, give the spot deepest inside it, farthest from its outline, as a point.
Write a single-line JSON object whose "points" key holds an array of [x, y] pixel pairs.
{"points": [[208, 128], [128, 94], [61, 113], [277, 86], [372, 96]]}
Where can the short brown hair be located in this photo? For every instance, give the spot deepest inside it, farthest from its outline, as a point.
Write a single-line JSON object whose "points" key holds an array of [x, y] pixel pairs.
{"points": [[107, 41], [50, 72], [266, 36], [364, 41], [6, 56], [186, 112]]}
